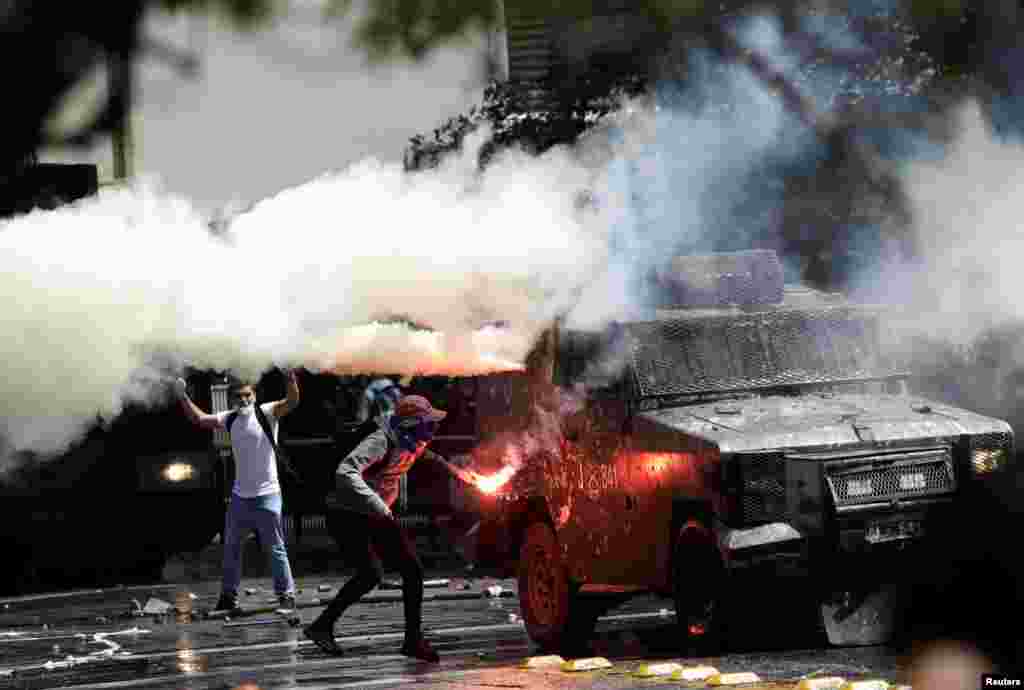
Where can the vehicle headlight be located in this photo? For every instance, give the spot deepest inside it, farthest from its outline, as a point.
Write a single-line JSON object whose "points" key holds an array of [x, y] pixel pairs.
{"points": [[985, 460], [178, 472]]}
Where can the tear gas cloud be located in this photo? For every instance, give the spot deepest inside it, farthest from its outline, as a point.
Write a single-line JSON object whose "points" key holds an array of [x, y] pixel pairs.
{"points": [[967, 216], [108, 295]]}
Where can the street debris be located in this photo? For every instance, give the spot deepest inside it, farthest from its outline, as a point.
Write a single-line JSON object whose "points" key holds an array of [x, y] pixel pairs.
{"points": [[324, 588], [494, 591], [156, 607], [135, 609], [828, 683], [733, 678], [549, 661], [590, 664], [694, 673], [867, 685], [110, 649], [660, 669], [513, 618], [249, 591], [436, 583], [293, 621]]}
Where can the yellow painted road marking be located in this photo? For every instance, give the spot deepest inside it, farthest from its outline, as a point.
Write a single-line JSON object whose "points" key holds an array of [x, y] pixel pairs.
{"points": [[829, 683], [661, 669], [694, 673], [591, 664], [867, 685], [543, 661], [735, 679]]}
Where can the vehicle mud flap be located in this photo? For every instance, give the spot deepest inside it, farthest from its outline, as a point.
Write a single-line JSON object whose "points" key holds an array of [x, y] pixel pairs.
{"points": [[861, 618]]}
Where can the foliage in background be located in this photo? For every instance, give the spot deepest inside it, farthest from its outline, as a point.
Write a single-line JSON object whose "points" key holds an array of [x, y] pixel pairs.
{"points": [[530, 115]]}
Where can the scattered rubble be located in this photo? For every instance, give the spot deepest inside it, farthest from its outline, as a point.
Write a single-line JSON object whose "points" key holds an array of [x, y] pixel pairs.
{"points": [[157, 607]]}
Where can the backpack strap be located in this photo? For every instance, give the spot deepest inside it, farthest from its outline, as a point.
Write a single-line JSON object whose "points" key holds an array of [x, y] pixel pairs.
{"points": [[282, 460]]}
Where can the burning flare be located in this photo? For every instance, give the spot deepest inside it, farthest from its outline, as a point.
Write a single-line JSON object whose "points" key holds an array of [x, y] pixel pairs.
{"points": [[492, 483]]}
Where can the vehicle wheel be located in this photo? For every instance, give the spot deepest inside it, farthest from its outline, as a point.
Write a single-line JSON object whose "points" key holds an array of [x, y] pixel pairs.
{"points": [[700, 583], [544, 595]]}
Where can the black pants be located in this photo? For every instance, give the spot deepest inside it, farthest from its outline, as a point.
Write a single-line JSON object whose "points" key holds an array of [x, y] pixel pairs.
{"points": [[364, 541]]}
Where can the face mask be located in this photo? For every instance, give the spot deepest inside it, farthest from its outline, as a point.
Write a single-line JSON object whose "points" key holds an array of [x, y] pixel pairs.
{"points": [[411, 433]]}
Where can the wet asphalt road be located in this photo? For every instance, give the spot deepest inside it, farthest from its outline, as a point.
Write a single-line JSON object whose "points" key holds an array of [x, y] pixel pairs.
{"points": [[88, 640]]}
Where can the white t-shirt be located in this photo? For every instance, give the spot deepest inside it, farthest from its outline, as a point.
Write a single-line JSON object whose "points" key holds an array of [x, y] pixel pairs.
{"points": [[255, 468]]}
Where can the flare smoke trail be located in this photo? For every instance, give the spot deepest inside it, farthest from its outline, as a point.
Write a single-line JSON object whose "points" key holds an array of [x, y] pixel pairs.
{"points": [[108, 295]]}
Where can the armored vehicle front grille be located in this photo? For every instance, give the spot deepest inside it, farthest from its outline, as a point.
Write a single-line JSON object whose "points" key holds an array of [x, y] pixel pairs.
{"points": [[762, 492], [875, 480], [720, 353]]}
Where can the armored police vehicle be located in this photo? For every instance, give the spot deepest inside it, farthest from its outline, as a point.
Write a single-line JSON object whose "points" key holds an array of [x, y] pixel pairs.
{"points": [[747, 425]]}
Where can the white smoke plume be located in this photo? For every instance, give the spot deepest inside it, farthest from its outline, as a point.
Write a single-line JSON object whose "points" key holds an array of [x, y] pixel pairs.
{"points": [[967, 220], [106, 296]]}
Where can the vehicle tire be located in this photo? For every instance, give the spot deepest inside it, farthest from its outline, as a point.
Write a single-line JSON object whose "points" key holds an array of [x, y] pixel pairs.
{"points": [[544, 593], [701, 585]]}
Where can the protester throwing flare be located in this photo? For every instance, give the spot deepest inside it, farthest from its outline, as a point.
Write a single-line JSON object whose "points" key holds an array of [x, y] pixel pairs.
{"points": [[359, 519], [256, 501]]}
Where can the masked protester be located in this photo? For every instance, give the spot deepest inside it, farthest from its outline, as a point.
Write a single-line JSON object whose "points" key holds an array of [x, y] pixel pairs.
{"points": [[360, 520], [379, 398], [256, 501]]}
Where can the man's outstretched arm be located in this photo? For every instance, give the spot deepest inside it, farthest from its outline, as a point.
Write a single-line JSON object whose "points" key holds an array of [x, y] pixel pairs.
{"points": [[192, 411], [280, 408]]}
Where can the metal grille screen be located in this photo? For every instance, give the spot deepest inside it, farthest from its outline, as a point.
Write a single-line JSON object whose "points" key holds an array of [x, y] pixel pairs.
{"points": [[743, 352]]}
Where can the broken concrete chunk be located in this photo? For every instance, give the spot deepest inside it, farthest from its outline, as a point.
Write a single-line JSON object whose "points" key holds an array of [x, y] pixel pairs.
{"points": [[156, 607], [691, 674], [733, 679], [590, 664], [658, 669], [324, 588], [494, 591], [542, 662]]}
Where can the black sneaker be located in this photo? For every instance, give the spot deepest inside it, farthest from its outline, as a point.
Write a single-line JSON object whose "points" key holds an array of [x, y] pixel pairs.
{"points": [[229, 604], [420, 649], [324, 639], [286, 604]]}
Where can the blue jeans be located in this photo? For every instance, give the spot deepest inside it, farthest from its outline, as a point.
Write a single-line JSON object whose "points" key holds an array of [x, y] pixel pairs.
{"points": [[263, 514]]}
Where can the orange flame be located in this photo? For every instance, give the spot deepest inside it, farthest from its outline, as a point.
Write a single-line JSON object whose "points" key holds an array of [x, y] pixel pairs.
{"points": [[492, 483]]}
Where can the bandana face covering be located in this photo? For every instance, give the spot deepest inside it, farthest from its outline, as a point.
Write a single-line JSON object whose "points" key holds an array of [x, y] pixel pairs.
{"points": [[413, 431]]}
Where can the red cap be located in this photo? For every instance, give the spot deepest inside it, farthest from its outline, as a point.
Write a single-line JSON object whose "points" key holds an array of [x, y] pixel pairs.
{"points": [[418, 406]]}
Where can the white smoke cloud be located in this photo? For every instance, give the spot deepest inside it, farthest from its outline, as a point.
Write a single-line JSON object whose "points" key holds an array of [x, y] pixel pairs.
{"points": [[104, 295], [967, 221]]}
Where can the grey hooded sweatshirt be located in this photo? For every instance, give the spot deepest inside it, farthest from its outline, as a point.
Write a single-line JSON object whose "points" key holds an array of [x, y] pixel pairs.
{"points": [[367, 480]]}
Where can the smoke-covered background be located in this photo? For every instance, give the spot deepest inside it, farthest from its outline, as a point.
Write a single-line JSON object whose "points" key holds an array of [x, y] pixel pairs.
{"points": [[108, 297]]}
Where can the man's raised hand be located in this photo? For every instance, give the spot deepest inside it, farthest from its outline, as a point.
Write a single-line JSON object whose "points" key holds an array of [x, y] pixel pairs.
{"points": [[180, 388]]}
